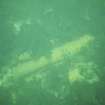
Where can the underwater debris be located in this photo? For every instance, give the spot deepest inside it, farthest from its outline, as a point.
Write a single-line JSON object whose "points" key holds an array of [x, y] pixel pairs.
{"points": [[56, 56]]}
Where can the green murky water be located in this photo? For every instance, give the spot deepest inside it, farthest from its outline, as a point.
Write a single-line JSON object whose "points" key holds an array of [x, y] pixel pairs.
{"points": [[52, 52]]}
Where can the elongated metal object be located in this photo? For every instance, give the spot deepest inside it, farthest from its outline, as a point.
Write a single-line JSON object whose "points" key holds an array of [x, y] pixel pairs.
{"points": [[56, 55]]}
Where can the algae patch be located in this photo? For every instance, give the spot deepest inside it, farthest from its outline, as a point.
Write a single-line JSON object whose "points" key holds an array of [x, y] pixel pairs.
{"points": [[83, 72]]}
